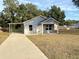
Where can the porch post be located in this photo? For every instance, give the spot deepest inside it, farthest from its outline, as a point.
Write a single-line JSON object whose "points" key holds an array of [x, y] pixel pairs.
{"points": [[42, 29], [58, 30], [9, 28], [23, 28]]}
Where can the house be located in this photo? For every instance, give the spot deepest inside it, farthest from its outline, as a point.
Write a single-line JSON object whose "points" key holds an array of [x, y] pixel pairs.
{"points": [[40, 25], [75, 25]]}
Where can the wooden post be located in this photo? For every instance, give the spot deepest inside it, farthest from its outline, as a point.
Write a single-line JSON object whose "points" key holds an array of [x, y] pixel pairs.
{"points": [[42, 29], [9, 28], [23, 28], [58, 31]]}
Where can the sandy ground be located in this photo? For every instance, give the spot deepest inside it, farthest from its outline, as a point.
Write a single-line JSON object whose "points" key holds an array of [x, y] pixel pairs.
{"points": [[18, 46]]}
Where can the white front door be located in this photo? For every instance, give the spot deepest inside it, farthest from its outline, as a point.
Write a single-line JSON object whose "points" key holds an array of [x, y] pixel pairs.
{"points": [[48, 31], [49, 28]]}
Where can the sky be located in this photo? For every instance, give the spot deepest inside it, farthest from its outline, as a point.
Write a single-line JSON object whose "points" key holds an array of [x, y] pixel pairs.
{"points": [[71, 11]]}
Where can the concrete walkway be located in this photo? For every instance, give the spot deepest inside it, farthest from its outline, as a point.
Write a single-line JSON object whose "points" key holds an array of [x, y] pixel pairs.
{"points": [[18, 46]]}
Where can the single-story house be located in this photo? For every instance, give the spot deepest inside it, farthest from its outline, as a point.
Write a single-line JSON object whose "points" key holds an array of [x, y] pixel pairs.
{"points": [[40, 25]]}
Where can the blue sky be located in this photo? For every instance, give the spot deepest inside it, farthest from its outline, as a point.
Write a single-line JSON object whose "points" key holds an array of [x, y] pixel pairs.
{"points": [[71, 11]]}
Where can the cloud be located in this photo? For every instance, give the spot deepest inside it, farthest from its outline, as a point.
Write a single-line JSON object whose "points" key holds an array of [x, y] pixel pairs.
{"points": [[44, 4], [1, 5], [33, 2], [68, 8], [73, 15], [71, 11], [65, 5], [26, 1]]}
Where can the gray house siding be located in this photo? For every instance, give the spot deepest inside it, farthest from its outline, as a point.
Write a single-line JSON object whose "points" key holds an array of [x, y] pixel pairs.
{"points": [[39, 25], [35, 22]]}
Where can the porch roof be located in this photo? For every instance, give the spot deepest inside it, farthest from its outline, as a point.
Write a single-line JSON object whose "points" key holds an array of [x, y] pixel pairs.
{"points": [[50, 21], [15, 23]]}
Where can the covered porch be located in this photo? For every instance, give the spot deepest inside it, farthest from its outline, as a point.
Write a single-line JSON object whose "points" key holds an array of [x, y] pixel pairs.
{"points": [[16, 27], [49, 28]]}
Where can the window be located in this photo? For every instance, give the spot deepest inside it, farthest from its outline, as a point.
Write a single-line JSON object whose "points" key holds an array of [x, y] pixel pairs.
{"points": [[46, 28], [50, 27], [46, 25], [30, 27]]}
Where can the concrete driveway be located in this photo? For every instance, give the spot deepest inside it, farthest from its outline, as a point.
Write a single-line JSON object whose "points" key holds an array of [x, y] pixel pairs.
{"points": [[18, 46]]}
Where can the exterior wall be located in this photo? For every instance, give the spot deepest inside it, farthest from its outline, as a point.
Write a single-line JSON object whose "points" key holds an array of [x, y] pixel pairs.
{"points": [[26, 30], [55, 26], [35, 22], [37, 26], [39, 29]]}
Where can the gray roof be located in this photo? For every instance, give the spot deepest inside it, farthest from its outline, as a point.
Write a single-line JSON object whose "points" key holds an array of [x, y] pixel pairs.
{"points": [[35, 19], [49, 20], [43, 20]]}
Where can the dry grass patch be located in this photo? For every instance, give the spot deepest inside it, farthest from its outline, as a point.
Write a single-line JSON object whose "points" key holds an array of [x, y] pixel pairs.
{"points": [[58, 46], [3, 36], [71, 31]]}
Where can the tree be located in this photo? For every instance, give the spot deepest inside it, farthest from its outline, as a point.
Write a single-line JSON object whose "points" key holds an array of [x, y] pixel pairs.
{"points": [[45, 13], [76, 2], [11, 3], [57, 13], [19, 13], [10, 9], [15, 12], [70, 22], [8, 14], [32, 11]]}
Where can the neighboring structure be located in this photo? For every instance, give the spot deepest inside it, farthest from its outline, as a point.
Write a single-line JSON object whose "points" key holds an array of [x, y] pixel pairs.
{"points": [[75, 25], [40, 25]]}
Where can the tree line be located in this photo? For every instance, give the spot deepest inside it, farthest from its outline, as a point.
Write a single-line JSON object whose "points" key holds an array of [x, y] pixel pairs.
{"points": [[15, 12]]}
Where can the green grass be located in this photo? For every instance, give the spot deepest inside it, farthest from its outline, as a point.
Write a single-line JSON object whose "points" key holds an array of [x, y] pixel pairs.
{"points": [[58, 46], [3, 36]]}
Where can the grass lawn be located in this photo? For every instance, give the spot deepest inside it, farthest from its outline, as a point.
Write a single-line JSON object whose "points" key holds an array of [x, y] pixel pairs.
{"points": [[3, 36], [71, 31], [58, 46]]}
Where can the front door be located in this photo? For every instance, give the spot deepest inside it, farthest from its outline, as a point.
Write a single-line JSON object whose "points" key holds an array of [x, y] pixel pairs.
{"points": [[49, 28]]}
